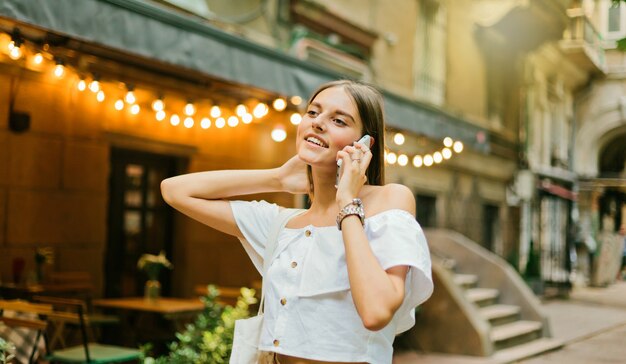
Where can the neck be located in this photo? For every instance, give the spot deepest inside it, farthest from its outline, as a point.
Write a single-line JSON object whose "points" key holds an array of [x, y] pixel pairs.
{"points": [[324, 191]]}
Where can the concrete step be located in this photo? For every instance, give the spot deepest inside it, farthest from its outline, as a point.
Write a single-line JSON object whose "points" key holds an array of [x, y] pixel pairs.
{"points": [[466, 280], [527, 350], [482, 296], [500, 314], [515, 333]]}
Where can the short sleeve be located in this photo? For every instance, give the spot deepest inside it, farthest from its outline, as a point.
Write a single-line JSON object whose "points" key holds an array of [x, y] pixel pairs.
{"points": [[254, 219], [397, 239]]}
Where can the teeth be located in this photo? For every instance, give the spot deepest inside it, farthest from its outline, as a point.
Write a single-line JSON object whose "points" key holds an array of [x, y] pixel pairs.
{"points": [[314, 140]]}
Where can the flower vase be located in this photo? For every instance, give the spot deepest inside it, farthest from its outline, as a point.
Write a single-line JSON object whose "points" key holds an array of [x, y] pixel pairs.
{"points": [[152, 290]]}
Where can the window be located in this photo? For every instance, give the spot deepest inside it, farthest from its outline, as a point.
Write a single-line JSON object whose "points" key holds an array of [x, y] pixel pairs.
{"points": [[614, 23], [430, 53], [614, 18], [426, 210]]}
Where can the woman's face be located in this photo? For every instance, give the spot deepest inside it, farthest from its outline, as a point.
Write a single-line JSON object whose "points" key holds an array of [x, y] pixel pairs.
{"points": [[330, 123]]}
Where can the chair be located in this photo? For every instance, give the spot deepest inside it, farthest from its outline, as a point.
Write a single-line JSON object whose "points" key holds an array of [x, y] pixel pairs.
{"points": [[66, 311], [26, 316]]}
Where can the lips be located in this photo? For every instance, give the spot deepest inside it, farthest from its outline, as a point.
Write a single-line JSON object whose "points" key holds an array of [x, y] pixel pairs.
{"points": [[316, 140]]}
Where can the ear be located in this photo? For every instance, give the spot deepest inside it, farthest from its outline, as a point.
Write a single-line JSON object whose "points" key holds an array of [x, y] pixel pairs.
{"points": [[371, 142]]}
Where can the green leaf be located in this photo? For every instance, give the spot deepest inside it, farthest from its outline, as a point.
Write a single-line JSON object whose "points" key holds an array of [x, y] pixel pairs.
{"points": [[621, 44]]}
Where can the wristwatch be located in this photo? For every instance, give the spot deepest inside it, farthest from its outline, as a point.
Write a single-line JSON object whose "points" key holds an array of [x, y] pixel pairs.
{"points": [[353, 208]]}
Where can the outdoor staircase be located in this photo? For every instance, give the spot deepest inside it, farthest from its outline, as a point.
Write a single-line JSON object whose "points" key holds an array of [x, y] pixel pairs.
{"points": [[480, 305]]}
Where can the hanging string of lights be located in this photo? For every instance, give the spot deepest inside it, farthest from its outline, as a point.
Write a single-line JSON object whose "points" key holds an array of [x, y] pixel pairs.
{"points": [[41, 59]]}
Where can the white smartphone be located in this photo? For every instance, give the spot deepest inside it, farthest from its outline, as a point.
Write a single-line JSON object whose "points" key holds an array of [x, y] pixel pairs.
{"points": [[366, 141]]}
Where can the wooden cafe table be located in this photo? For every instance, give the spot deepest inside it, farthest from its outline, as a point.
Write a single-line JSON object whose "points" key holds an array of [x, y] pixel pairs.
{"points": [[133, 309]]}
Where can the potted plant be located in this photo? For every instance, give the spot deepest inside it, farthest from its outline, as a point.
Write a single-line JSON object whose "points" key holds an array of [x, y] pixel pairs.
{"points": [[152, 265]]}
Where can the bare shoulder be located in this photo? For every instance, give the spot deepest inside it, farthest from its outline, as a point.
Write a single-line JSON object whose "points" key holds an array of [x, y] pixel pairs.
{"points": [[388, 197]]}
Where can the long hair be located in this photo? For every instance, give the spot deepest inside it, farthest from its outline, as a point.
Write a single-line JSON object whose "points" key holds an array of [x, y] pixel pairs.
{"points": [[369, 103]]}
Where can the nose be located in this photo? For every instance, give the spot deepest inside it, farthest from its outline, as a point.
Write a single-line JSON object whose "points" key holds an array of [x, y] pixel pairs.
{"points": [[317, 124]]}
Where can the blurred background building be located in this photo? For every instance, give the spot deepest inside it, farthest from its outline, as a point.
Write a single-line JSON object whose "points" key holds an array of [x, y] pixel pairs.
{"points": [[506, 118]]}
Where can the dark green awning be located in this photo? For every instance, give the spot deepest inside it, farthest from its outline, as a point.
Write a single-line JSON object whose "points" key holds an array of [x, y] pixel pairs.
{"points": [[148, 29]]}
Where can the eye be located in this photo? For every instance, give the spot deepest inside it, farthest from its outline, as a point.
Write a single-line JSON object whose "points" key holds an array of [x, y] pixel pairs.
{"points": [[339, 122], [311, 112]]}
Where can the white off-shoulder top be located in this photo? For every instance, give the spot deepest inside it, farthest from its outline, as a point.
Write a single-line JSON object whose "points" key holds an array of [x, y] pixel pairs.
{"points": [[309, 311]]}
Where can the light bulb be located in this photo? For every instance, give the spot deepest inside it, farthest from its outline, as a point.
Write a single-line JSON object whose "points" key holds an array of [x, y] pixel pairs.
{"points": [[135, 109], [38, 59], [417, 161], [160, 115], [447, 141], [403, 160], [398, 138], [15, 53], [205, 123], [458, 147], [279, 104], [247, 118], [296, 100], [279, 134], [437, 157], [188, 122], [94, 86], [447, 153], [59, 70], [428, 160], [190, 109], [295, 118], [233, 121], [158, 105], [119, 104], [391, 158], [100, 96], [130, 97], [11, 45], [260, 110], [241, 110], [220, 122], [174, 119], [82, 85], [215, 112]]}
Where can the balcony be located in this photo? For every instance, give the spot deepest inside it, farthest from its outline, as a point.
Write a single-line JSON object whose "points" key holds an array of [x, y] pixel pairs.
{"points": [[583, 43]]}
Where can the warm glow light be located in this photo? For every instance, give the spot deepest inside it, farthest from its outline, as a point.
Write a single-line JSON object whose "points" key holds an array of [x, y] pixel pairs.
{"points": [[295, 118], [296, 100], [160, 115], [130, 97], [135, 109], [220, 122], [398, 138], [279, 104], [82, 85], [205, 123], [119, 104], [247, 118], [447, 153], [428, 160], [458, 147], [188, 122], [279, 134], [190, 109], [241, 110], [94, 86], [447, 141], [158, 105], [215, 112], [403, 160], [391, 158], [15, 53], [11, 45], [260, 110], [437, 157], [233, 121], [417, 161], [38, 59], [100, 96], [59, 70], [174, 119]]}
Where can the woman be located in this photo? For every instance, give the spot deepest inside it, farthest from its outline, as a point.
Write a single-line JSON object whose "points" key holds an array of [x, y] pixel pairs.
{"points": [[340, 287]]}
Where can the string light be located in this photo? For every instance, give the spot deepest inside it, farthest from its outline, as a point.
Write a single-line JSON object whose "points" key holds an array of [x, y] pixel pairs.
{"points": [[447, 153], [190, 109], [158, 105], [279, 134], [215, 112], [160, 115], [233, 121], [82, 85], [135, 109], [279, 104], [247, 118], [100, 96], [417, 161], [38, 58], [59, 70], [398, 139], [174, 119], [296, 100], [130, 96], [428, 160], [403, 160], [447, 141], [94, 86], [241, 110], [458, 147], [295, 118], [15, 52], [437, 157], [205, 123], [260, 110], [391, 158], [220, 122], [119, 104], [188, 122]]}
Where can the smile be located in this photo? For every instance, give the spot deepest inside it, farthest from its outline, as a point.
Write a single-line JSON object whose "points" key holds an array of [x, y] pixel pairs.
{"points": [[314, 140]]}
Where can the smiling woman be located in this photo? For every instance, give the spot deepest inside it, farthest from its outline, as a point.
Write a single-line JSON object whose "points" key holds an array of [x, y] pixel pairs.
{"points": [[348, 272]]}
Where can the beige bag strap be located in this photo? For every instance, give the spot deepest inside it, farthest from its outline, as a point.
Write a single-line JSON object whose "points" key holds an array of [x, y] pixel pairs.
{"points": [[272, 242]]}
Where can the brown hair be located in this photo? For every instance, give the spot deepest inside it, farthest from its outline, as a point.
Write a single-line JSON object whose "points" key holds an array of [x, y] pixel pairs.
{"points": [[369, 103]]}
